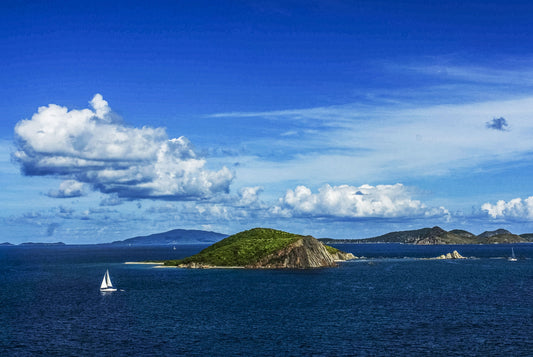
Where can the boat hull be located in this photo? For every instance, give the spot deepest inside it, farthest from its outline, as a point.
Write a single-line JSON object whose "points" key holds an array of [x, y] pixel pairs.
{"points": [[108, 290]]}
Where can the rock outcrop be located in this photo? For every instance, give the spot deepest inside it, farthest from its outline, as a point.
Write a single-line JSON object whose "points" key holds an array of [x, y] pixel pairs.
{"points": [[452, 255], [341, 256]]}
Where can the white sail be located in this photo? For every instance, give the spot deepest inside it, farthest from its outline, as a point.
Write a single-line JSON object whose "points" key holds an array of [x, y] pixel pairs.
{"points": [[108, 279], [104, 283], [512, 258]]}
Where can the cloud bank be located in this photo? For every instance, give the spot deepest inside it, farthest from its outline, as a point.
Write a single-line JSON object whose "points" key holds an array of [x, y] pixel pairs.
{"points": [[94, 147], [382, 201], [517, 208]]}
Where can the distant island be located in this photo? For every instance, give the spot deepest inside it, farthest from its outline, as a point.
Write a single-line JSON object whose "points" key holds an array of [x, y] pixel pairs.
{"points": [[437, 235], [33, 244], [42, 244], [267, 249], [172, 237], [175, 236]]}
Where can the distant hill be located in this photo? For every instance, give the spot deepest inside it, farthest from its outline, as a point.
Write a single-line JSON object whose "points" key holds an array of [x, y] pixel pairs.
{"points": [[265, 248], [424, 236], [437, 235], [527, 236], [41, 244], [501, 238], [462, 233], [488, 234], [175, 236]]}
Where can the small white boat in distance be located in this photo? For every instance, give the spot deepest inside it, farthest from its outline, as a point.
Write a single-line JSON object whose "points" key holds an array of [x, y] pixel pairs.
{"points": [[106, 285], [512, 258]]}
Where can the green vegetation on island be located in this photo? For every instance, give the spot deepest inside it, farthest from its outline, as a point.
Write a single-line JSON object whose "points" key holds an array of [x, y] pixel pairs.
{"points": [[527, 236], [437, 235], [264, 248]]}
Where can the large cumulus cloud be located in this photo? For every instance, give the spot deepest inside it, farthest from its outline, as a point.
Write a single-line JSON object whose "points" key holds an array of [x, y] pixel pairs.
{"points": [[96, 148], [348, 202], [515, 209]]}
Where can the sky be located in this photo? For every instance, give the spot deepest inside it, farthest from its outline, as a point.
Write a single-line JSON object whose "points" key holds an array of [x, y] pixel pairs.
{"points": [[342, 119]]}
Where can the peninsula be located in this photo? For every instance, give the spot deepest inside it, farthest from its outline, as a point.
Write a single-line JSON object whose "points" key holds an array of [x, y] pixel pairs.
{"points": [[265, 248]]}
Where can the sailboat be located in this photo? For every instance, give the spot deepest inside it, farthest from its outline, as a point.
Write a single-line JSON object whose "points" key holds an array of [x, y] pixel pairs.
{"points": [[107, 285], [512, 258]]}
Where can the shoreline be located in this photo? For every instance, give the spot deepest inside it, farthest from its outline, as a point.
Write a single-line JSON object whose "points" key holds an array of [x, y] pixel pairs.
{"points": [[162, 265], [200, 267]]}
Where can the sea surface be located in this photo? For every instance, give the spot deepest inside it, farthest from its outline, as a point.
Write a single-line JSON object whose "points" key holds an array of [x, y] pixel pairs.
{"points": [[391, 304]]}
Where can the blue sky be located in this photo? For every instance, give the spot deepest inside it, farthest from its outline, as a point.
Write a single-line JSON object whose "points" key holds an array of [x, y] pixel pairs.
{"points": [[343, 119]]}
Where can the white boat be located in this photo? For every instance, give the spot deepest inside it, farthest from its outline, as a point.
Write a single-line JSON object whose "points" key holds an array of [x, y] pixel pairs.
{"points": [[512, 258], [106, 285]]}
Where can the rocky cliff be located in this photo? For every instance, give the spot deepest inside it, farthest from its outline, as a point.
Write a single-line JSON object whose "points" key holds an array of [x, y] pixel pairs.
{"points": [[307, 252]]}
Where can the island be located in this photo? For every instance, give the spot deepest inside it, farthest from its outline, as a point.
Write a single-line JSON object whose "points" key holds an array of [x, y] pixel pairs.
{"points": [[42, 244], [173, 237], [265, 248], [437, 235]]}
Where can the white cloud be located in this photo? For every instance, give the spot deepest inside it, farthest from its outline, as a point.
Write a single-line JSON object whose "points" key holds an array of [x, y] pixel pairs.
{"points": [[392, 142], [386, 201], [249, 196], [516, 208], [93, 147], [67, 189], [111, 200], [479, 75], [100, 106]]}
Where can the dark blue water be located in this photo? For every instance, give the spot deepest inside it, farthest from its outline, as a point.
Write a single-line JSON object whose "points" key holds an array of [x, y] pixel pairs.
{"points": [[386, 305]]}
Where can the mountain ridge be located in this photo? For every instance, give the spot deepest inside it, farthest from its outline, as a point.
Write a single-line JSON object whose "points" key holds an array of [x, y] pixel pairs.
{"points": [[174, 236], [437, 235]]}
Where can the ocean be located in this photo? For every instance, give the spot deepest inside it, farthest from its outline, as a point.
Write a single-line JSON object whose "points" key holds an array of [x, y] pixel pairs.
{"points": [[391, 304]]}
